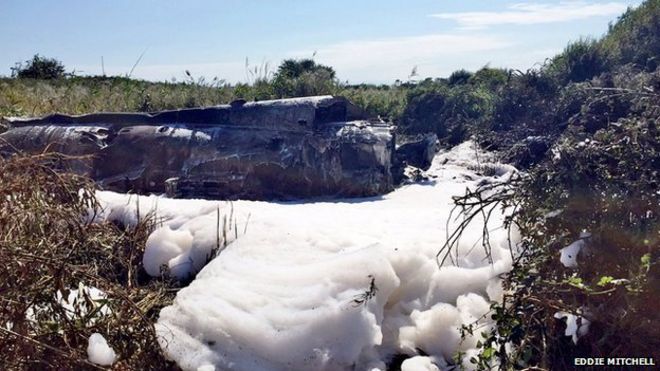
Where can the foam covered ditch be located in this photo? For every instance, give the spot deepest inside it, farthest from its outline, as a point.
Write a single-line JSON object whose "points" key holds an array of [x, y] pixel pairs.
{"points": [[324, 285]]}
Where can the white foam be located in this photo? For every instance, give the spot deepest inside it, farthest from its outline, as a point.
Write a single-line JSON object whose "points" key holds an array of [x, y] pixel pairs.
{"points": [[99, 352], [576, 326], [294, 290], [420, 363]]}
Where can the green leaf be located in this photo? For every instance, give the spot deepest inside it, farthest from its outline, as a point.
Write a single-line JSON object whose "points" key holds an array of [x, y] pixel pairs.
{"points": [[575, 282], [605, 280], [488, 353], [646, 261]]}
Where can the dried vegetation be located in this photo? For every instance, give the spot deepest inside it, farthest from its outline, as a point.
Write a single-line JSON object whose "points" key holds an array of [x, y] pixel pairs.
{"points": [[63, 278]]}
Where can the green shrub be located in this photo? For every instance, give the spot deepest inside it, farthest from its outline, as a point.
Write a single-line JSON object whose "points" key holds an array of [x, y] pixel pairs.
{"points": [[299, 78], [39, 68], [384, 101], [603, 184], [635, 37], [459, 77], [449, 111], [292, 68], [490, 78], [580, 61]]}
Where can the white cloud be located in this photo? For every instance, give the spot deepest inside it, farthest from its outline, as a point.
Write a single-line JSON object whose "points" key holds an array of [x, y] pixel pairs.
{"points": [[534, 13], [386, 60], [371, 60]]}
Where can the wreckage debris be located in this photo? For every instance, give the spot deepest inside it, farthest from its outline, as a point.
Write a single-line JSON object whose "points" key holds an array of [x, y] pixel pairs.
{"points": [[280, 149]]}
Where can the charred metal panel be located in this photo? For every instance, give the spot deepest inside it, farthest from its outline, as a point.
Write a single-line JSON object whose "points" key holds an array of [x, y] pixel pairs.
{"points": [[283, 149]]}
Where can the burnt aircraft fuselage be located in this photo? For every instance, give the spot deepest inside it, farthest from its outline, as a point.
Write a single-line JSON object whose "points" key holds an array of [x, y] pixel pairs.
{"points": [[282, 149]]}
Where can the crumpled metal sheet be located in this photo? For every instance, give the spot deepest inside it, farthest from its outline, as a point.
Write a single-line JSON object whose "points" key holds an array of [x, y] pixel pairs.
{"points": [[282, 149]]}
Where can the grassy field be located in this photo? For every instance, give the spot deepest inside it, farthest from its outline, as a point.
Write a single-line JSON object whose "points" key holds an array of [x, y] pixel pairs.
{"points": [[79, 95]]}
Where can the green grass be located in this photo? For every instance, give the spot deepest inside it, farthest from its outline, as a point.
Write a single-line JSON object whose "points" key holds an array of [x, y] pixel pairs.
{"points": [[79, 95]]}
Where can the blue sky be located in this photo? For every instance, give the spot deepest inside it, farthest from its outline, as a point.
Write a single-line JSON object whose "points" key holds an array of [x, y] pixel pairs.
{"points": [[375, 41]]}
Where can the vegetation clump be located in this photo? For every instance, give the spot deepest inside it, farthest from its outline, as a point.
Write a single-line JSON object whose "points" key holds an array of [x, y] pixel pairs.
{"points": [[39, 68], [64, 278], [588, 209]]}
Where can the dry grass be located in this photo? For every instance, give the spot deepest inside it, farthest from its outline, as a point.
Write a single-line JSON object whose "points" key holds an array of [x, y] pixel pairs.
{"points": [[47, 249]]}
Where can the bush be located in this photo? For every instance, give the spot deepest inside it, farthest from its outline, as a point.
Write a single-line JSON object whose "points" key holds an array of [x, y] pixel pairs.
{"points": [[51, 252], [299, 78], [580, 61], [384, 101], [490, 78], [39, 68], [635, 37], [424, 113], [448, 111], [292, 68], [459, 77], [602, 184]]}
